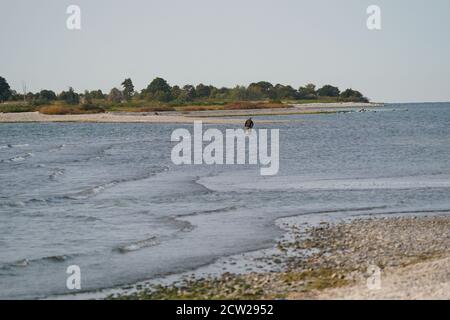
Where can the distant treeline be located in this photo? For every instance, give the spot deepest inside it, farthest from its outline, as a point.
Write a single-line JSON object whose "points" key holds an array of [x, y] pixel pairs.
{"points": [[160, 91]]}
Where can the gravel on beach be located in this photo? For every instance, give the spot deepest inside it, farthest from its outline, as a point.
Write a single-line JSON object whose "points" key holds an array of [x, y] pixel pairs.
{"points": [[332, 261]]}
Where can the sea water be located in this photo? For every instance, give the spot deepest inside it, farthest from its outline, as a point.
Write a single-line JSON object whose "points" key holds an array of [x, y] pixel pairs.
{"points": [[107, 197]]}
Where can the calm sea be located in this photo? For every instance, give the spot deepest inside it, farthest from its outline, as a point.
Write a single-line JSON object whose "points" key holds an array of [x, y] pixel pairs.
{"points": [[107, 197]]}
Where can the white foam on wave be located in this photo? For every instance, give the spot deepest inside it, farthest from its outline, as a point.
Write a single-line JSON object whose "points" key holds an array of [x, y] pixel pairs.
{"points": [[21, 158], [9, 146], [27, 262], [58, 147], [56, 172], [17, 159], [134, 246]]}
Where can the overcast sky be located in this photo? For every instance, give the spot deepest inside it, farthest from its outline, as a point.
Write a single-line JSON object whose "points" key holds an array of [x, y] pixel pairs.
{"points": [[231, 42]]}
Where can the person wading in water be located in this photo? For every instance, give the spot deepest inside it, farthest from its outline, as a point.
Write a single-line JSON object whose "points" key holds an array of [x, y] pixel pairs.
{"points": [[249, 124]]}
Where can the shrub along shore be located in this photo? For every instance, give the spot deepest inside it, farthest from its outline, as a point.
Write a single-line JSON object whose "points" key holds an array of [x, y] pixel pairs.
{"points": [[159, 96]]}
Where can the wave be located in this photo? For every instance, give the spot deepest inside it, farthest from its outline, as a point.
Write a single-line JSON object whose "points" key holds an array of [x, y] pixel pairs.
{"points": [[197, 182], [56, 172], [95, 155], [207, 212], [186, 226], [58, 147], [77, 195], [89, 192], [12, 204], [92, 191], [23, 263], [415, 211], [83, 218], [10, 146], [348, 210], [338, 210], [60, 258], [80, 195], [181, 225], [19, 158], [138, 245]]}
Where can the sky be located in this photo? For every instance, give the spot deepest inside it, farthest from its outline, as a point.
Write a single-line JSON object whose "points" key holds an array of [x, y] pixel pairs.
{"points": [[228, 43]]}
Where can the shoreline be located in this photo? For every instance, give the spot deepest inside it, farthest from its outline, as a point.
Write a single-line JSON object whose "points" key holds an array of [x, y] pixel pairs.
{"points": [[212, 117], [311, 261], [325, 260]]}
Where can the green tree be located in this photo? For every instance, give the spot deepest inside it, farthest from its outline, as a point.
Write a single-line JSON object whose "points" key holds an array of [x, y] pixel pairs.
{"points": [[203, 91], [239, 93], [128, 89], [15, 96], [97, 94], [87, 97], [31, 97], [284, 92], [5, 90], [70, 97], [176, 92], [353, 95], [43, 97], [158, 90], [189, 92], [47, 96], [255, 93], [115, 95], [261, 90], [307, 92], [158, 84], [328, 91], [263, 86], [217, 93]]}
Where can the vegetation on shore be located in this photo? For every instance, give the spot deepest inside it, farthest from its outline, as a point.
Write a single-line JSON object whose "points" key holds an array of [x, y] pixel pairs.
{"points": [[229, 286], [160, 96]]}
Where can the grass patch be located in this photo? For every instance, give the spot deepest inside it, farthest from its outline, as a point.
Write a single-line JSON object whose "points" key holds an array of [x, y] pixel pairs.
{"points": [[235, 106], [139, 106], [255, 105], [156, 109], [242, 287], [425, 257], [320, 100], [63, 109], [318, 279], [16, 107], [224, 288]]}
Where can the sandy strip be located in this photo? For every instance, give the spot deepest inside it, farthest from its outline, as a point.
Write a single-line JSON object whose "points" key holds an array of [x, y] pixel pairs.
{"points": [[211, 116], [116, 118]]}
